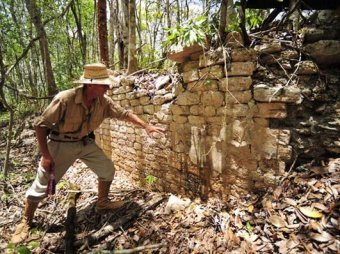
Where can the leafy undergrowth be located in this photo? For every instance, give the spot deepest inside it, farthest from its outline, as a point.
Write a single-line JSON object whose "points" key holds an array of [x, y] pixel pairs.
{"points": [[300, 216]]}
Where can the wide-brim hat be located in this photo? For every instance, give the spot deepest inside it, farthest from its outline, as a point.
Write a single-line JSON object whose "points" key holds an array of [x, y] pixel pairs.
{"points": [[95, 74]]}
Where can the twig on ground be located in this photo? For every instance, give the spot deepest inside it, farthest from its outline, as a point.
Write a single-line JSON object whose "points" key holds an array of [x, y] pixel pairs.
{"points": [[137, 249]]}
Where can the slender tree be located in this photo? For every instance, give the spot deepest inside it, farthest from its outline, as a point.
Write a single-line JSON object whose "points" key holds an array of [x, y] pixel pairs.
{"points": [[223, 20], [35, 15], [132, 59], [75, 8], [102, 32]]}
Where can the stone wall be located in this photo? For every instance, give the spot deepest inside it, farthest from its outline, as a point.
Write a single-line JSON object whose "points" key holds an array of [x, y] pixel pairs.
{"points": [[218, 137]]}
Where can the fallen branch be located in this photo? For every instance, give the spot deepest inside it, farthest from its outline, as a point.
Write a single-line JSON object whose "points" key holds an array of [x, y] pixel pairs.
{"points": [[137, 249], [120, 222], [70, 221]]}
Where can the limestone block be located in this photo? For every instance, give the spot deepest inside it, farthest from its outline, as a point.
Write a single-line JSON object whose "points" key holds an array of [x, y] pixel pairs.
{"points": [[130, 130], [239, 161], [179, 110], [272, 166], [196, 120], [190, 76], [306, 68], [162, 81], [284, 153], [265, 93], [269, 59], [260, 122], [212, 98], [127, 80], [289, 54], [203, 85], [271, 110], [180, 148], [149, 109], [239, 135], [188, 98], [179, 119], [234, 40], [118, 90], [134, 103], [238, 97], [234, 110], [120, 96], [243, 55], [125, 103], [241, 69], [196, 109], [138, 110], [212, 72], [235, 83], [161, 92], [214, 120], [180, 129], [269, 48], [266, 142], [177, 89], [145, 100], [324, 51], [209, 111], [141, 93], [196, 56], [212, 58], [163, 117], [284, 137], [131, 137], [159, 99], [180, 54], [190, 65], [131, 95]]}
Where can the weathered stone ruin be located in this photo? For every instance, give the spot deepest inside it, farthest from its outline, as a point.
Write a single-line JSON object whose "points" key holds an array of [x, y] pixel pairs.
{"points": [[235, 122]]}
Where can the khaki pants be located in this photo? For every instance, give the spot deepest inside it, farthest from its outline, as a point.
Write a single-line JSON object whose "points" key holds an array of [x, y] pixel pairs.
{"points": [[64, 155]]}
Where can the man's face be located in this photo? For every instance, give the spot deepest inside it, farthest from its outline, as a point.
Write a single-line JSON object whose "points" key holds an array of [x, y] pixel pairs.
{"points": [[97, 90]]}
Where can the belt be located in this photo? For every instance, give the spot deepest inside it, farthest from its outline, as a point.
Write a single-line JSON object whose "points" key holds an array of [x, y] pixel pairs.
{"points": [[59, 137]]}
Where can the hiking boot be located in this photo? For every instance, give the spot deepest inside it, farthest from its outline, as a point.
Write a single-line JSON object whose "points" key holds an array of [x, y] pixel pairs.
{"points": [[104, 205], [22, 229]]}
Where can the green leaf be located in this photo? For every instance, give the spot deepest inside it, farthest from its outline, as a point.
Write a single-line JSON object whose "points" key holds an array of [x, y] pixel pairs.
{"points": [[249, 227], [23, 250], [34, 245]]}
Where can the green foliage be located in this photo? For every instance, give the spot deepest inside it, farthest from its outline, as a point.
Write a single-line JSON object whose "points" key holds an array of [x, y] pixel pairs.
{"points": [[150, 179], [28, 248], [191, 32], [254, 18], [249, 228], [4, 117]]}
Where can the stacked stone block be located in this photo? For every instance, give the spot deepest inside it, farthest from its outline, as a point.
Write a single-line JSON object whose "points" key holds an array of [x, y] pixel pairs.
{"points": [[218, 137]]}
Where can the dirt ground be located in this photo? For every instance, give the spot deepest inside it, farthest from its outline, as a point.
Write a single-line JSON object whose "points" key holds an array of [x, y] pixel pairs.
{"points": [[301, 215]]}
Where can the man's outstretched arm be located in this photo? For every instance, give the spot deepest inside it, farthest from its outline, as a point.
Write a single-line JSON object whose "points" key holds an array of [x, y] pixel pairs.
{"points": [[150, 129]]}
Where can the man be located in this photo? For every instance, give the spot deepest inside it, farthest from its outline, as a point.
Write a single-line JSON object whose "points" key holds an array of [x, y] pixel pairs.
{"points": [[64, 134]]}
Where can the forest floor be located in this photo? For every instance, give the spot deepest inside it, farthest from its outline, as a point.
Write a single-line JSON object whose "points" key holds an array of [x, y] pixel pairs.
{"points": [[301, 215]]}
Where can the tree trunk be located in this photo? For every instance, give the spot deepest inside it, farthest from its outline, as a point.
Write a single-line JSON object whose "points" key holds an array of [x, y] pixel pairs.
{"points": [[132, 59], [36, 19], [243, 23], [102, 32], [223, 20], [82, 38], [11, 114], [178, 16], [124, 27], [112, 33]]}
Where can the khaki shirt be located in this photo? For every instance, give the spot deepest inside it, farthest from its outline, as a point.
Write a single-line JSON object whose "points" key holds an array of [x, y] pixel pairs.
{"points": [[68, 115]]}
